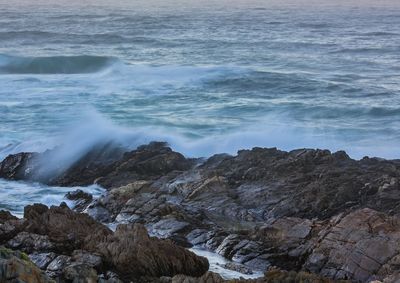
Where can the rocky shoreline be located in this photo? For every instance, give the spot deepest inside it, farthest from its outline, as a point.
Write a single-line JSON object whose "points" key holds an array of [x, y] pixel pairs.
{"points": [[300, 216]]}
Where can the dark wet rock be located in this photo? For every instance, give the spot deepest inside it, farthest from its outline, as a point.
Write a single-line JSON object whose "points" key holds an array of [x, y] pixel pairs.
{"points": [[16, 267], [80, 198], [106, 165], [84, 171], [6, 216], [16, 166], [144, 163]]}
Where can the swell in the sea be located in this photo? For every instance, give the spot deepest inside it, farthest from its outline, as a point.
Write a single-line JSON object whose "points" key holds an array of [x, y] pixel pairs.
{"points": [[53, 65]]}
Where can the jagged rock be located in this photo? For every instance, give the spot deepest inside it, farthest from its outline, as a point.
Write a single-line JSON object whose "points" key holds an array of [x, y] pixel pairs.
{"points": [[9, 226], [227, 245], [6, 216], [260, 207], [357, 247], [80, 198], [134, 254], [16, 267], [144, 163], [16, 166], [66, 229]]}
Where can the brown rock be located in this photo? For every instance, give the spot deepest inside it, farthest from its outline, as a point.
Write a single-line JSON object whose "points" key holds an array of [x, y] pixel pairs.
{"points": [[357, 246], [134, 254], [208, 277], [66, 229]]}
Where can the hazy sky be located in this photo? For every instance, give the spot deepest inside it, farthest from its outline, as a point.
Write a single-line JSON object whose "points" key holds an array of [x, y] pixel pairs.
{"points": [[351, 3]]}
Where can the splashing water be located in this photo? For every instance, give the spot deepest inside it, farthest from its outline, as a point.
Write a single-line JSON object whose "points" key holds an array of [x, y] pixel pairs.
{"points": [[15, 196]]}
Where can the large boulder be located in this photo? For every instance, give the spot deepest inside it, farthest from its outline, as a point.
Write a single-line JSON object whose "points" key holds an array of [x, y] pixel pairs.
{"points": [[134, 254], [66, 229]]}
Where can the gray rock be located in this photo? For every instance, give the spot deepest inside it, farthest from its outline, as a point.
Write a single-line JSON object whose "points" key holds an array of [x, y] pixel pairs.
{"points": [[91, 259], [30, 242], [237, 267], [56, 266], [167, 227], [42, 260]]}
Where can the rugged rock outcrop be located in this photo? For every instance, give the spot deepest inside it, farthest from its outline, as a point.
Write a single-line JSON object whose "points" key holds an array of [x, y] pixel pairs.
{"points": [[105, 164], [272, 276], [305, 211], [69, 245]]}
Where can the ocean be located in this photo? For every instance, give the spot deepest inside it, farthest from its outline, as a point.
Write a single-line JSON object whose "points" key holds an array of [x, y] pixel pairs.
{"points": [[205, 76]]}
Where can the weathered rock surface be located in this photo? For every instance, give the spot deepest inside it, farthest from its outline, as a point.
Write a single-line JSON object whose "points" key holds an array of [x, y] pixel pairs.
{"points": [[304, 210], [16, 267], [272, 276], [72, 246], [362, 245], [80, 199], [134, 254]]}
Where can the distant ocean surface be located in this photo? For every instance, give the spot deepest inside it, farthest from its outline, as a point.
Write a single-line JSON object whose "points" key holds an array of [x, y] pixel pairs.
{"points": [[206, 76]]}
